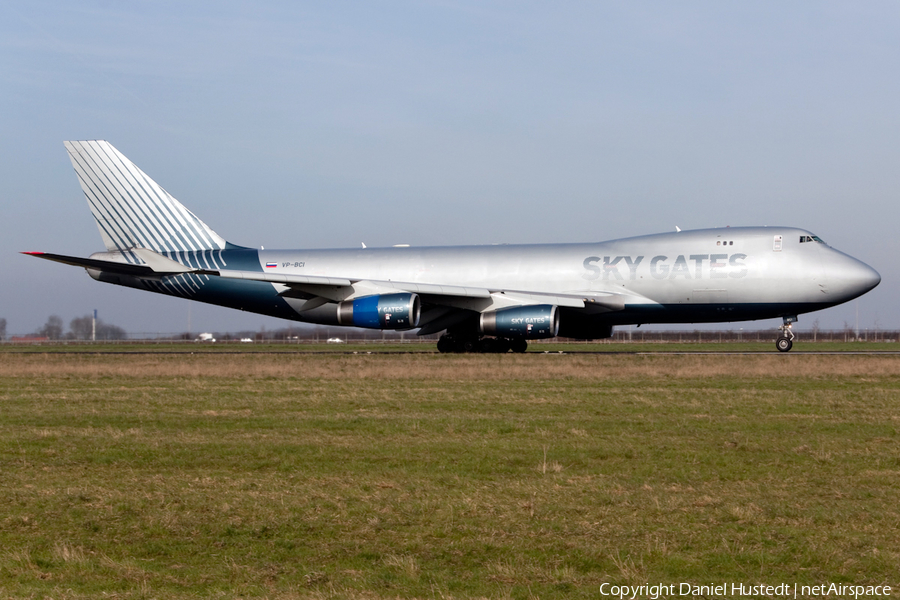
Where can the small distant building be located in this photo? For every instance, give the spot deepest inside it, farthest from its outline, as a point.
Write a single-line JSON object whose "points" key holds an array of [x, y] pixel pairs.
{"points": [[28, 339]]}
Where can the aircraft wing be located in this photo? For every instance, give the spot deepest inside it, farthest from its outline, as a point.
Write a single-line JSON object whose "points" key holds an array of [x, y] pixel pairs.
{"points": [[445, 305], [472, 298]]}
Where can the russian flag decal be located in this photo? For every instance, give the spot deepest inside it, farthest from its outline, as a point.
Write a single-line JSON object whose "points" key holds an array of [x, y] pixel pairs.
{"points": [[271, 265]]}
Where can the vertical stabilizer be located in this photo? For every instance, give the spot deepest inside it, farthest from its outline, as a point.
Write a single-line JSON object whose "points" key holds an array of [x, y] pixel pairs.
{"points": [[132, 210]]}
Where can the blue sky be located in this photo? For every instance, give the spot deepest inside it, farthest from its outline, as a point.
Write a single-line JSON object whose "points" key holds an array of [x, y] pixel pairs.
{"points": [[441, 123]]}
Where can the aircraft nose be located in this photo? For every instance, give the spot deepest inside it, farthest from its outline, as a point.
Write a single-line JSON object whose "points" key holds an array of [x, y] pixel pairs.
{"points": [[864, 277], [871, 278], [851, 277]]}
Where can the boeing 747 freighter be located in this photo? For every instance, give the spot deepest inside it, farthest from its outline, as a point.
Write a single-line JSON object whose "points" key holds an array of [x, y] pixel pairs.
{"points": [[484, 298]]}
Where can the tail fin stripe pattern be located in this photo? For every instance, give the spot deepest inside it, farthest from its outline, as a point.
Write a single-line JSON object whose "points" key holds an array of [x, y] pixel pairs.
{"points": [[198, 258], [90, 192], [133, 210], [106, 221], [156, 209], [180, 220], [133, 200], [98, 187], [124, 210], [180, 287], [138, 197]]}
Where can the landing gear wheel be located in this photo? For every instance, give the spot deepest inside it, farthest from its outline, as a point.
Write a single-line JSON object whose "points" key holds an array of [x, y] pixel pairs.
{"points": [[445, 344], [783, 344], [786, 340], [488, 345], [470, 345], [518, 346]]}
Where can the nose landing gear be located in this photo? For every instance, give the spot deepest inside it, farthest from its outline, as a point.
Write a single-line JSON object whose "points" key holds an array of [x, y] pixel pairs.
{"points": [[785, 339]]}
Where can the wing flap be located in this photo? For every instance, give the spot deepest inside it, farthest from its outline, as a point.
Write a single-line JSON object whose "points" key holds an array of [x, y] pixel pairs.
{"points": [[338, 289], [290, 280]]}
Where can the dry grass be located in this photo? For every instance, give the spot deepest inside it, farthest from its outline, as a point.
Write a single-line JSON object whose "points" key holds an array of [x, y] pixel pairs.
{"points": [[453, 367]]}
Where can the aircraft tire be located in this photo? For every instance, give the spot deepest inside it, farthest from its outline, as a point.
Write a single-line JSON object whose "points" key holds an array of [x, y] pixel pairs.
{"points": [[494, 345], [449, 345], [470, 345], [784, 344], [445, 344]]}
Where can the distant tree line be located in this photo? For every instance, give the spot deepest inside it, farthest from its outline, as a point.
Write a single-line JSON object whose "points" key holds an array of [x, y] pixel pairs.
{"points": [[80, 328]]}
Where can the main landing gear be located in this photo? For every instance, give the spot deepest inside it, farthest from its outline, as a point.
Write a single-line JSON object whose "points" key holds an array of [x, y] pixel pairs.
{"points": [[785, 339], [463, 344]]}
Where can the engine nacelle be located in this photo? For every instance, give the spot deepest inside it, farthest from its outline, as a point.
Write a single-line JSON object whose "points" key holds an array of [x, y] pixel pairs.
{"points": [[384, 311], [521, 322]]}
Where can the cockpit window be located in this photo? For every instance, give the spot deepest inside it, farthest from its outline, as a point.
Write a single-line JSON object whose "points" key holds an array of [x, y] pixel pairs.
{"points": [[811, 238]]}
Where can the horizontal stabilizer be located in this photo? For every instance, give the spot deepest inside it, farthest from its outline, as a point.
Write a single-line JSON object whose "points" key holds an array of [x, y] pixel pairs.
{"points": [[100, 265], [157, 265]]}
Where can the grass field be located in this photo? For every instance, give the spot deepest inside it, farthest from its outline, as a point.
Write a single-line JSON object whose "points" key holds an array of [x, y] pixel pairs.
{"points": [[435, 476]]}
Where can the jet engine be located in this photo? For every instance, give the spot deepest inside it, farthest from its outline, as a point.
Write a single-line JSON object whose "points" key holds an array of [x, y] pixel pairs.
{"points": [[521, 322], [383, 311]]}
